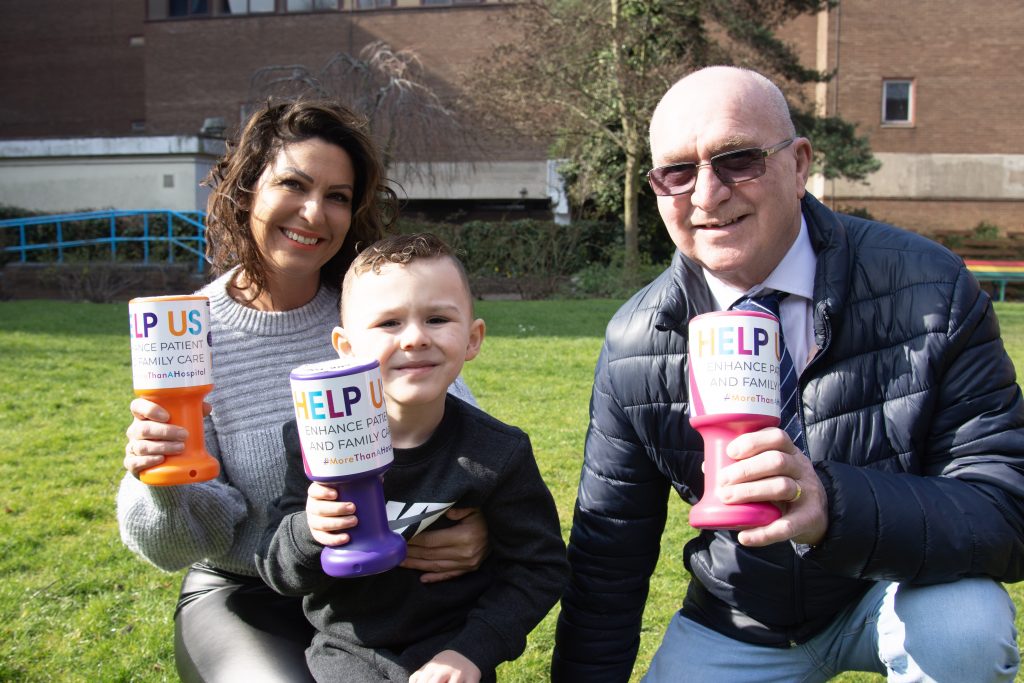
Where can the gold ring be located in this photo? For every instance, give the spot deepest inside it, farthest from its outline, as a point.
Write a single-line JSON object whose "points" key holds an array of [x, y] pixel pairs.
{"points": [[799, 492]]}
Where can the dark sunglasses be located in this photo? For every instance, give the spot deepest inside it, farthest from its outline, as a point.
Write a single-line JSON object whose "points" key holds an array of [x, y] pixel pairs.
{"points": [[730, 167]]}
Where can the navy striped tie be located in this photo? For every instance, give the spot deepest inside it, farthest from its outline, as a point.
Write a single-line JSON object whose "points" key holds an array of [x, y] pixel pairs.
{"points": [[789, 387]]}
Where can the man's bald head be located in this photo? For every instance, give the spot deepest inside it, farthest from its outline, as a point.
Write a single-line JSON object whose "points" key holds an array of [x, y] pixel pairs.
{"points": [[721, 84]]}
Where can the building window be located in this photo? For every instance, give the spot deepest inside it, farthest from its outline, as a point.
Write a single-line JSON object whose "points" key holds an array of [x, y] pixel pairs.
{"points": [[450, 2], [898, 102], [246, 6], [187, 8], [183, 9], [311, 5]]}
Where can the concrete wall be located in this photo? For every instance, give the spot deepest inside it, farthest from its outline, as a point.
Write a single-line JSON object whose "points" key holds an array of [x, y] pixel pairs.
{"points": [[96, 173], [165, 173], [482, 180], [942, 176]]}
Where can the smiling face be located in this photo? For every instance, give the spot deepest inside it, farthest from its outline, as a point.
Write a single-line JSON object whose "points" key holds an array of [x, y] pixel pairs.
{"points": [[737, 232], [417, 320], [301, 212]]}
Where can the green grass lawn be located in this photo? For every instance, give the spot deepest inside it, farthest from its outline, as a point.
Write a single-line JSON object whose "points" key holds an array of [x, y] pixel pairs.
{"points": [[75, 605]]}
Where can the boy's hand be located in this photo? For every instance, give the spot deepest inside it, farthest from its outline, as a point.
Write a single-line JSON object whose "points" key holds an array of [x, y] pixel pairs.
{"points": [[327, 517], [446, 553], [447, 667]]}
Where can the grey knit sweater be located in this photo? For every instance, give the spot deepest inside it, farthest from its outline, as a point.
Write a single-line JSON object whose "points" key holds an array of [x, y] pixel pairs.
{"points": [[220, 522]]}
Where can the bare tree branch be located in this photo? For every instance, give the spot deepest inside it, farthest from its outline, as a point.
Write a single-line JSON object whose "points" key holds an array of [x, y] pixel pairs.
{"points": [[410, 121]]}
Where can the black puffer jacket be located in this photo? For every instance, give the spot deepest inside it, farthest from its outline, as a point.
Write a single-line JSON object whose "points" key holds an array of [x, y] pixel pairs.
{"points": [[913, 419]]}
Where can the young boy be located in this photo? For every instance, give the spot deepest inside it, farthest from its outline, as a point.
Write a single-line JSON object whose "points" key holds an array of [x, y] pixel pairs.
{"points": [[406, 302]]}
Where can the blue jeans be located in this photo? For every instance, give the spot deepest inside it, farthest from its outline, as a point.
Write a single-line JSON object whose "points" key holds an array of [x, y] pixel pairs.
{"points": [[962, 631]]}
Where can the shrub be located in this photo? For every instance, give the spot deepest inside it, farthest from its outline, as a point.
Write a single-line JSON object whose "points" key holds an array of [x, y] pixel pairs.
{"points": [[858, 211], [8, 211], [609, 280], [986, 231], [532, 258]]}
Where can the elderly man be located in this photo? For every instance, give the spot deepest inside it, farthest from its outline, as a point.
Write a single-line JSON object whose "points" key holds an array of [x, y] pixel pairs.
{"points": [[903, 507]]}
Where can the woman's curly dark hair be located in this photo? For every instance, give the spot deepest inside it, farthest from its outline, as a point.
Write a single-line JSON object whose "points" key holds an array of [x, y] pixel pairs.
{"points": [[229, 238]]}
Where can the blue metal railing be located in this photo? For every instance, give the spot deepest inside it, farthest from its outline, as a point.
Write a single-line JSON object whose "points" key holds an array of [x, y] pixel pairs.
{"points": [[176, 230]]}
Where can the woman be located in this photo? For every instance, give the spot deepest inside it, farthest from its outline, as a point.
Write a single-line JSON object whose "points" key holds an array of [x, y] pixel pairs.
{"points": [[292, 201]]}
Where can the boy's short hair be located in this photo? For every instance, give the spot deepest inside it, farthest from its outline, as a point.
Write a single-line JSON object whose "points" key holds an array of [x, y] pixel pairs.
{"points": [[401, 250]]}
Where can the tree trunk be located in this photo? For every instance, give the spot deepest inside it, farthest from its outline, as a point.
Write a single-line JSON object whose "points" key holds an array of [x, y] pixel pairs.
{"points": [[630, 214]]}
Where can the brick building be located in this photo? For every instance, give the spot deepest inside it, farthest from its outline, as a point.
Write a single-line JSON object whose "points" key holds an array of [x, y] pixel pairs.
{"points": [[130, 84], [935, 87], [84, 90]]}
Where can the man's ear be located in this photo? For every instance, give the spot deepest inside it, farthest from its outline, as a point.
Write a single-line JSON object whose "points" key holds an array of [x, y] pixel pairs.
{"points": [[339, 340], [477, 330], [804, 159]]}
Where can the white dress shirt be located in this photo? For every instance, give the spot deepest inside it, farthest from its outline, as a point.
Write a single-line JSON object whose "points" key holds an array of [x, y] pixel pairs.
{"points": [[795, 275]]}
